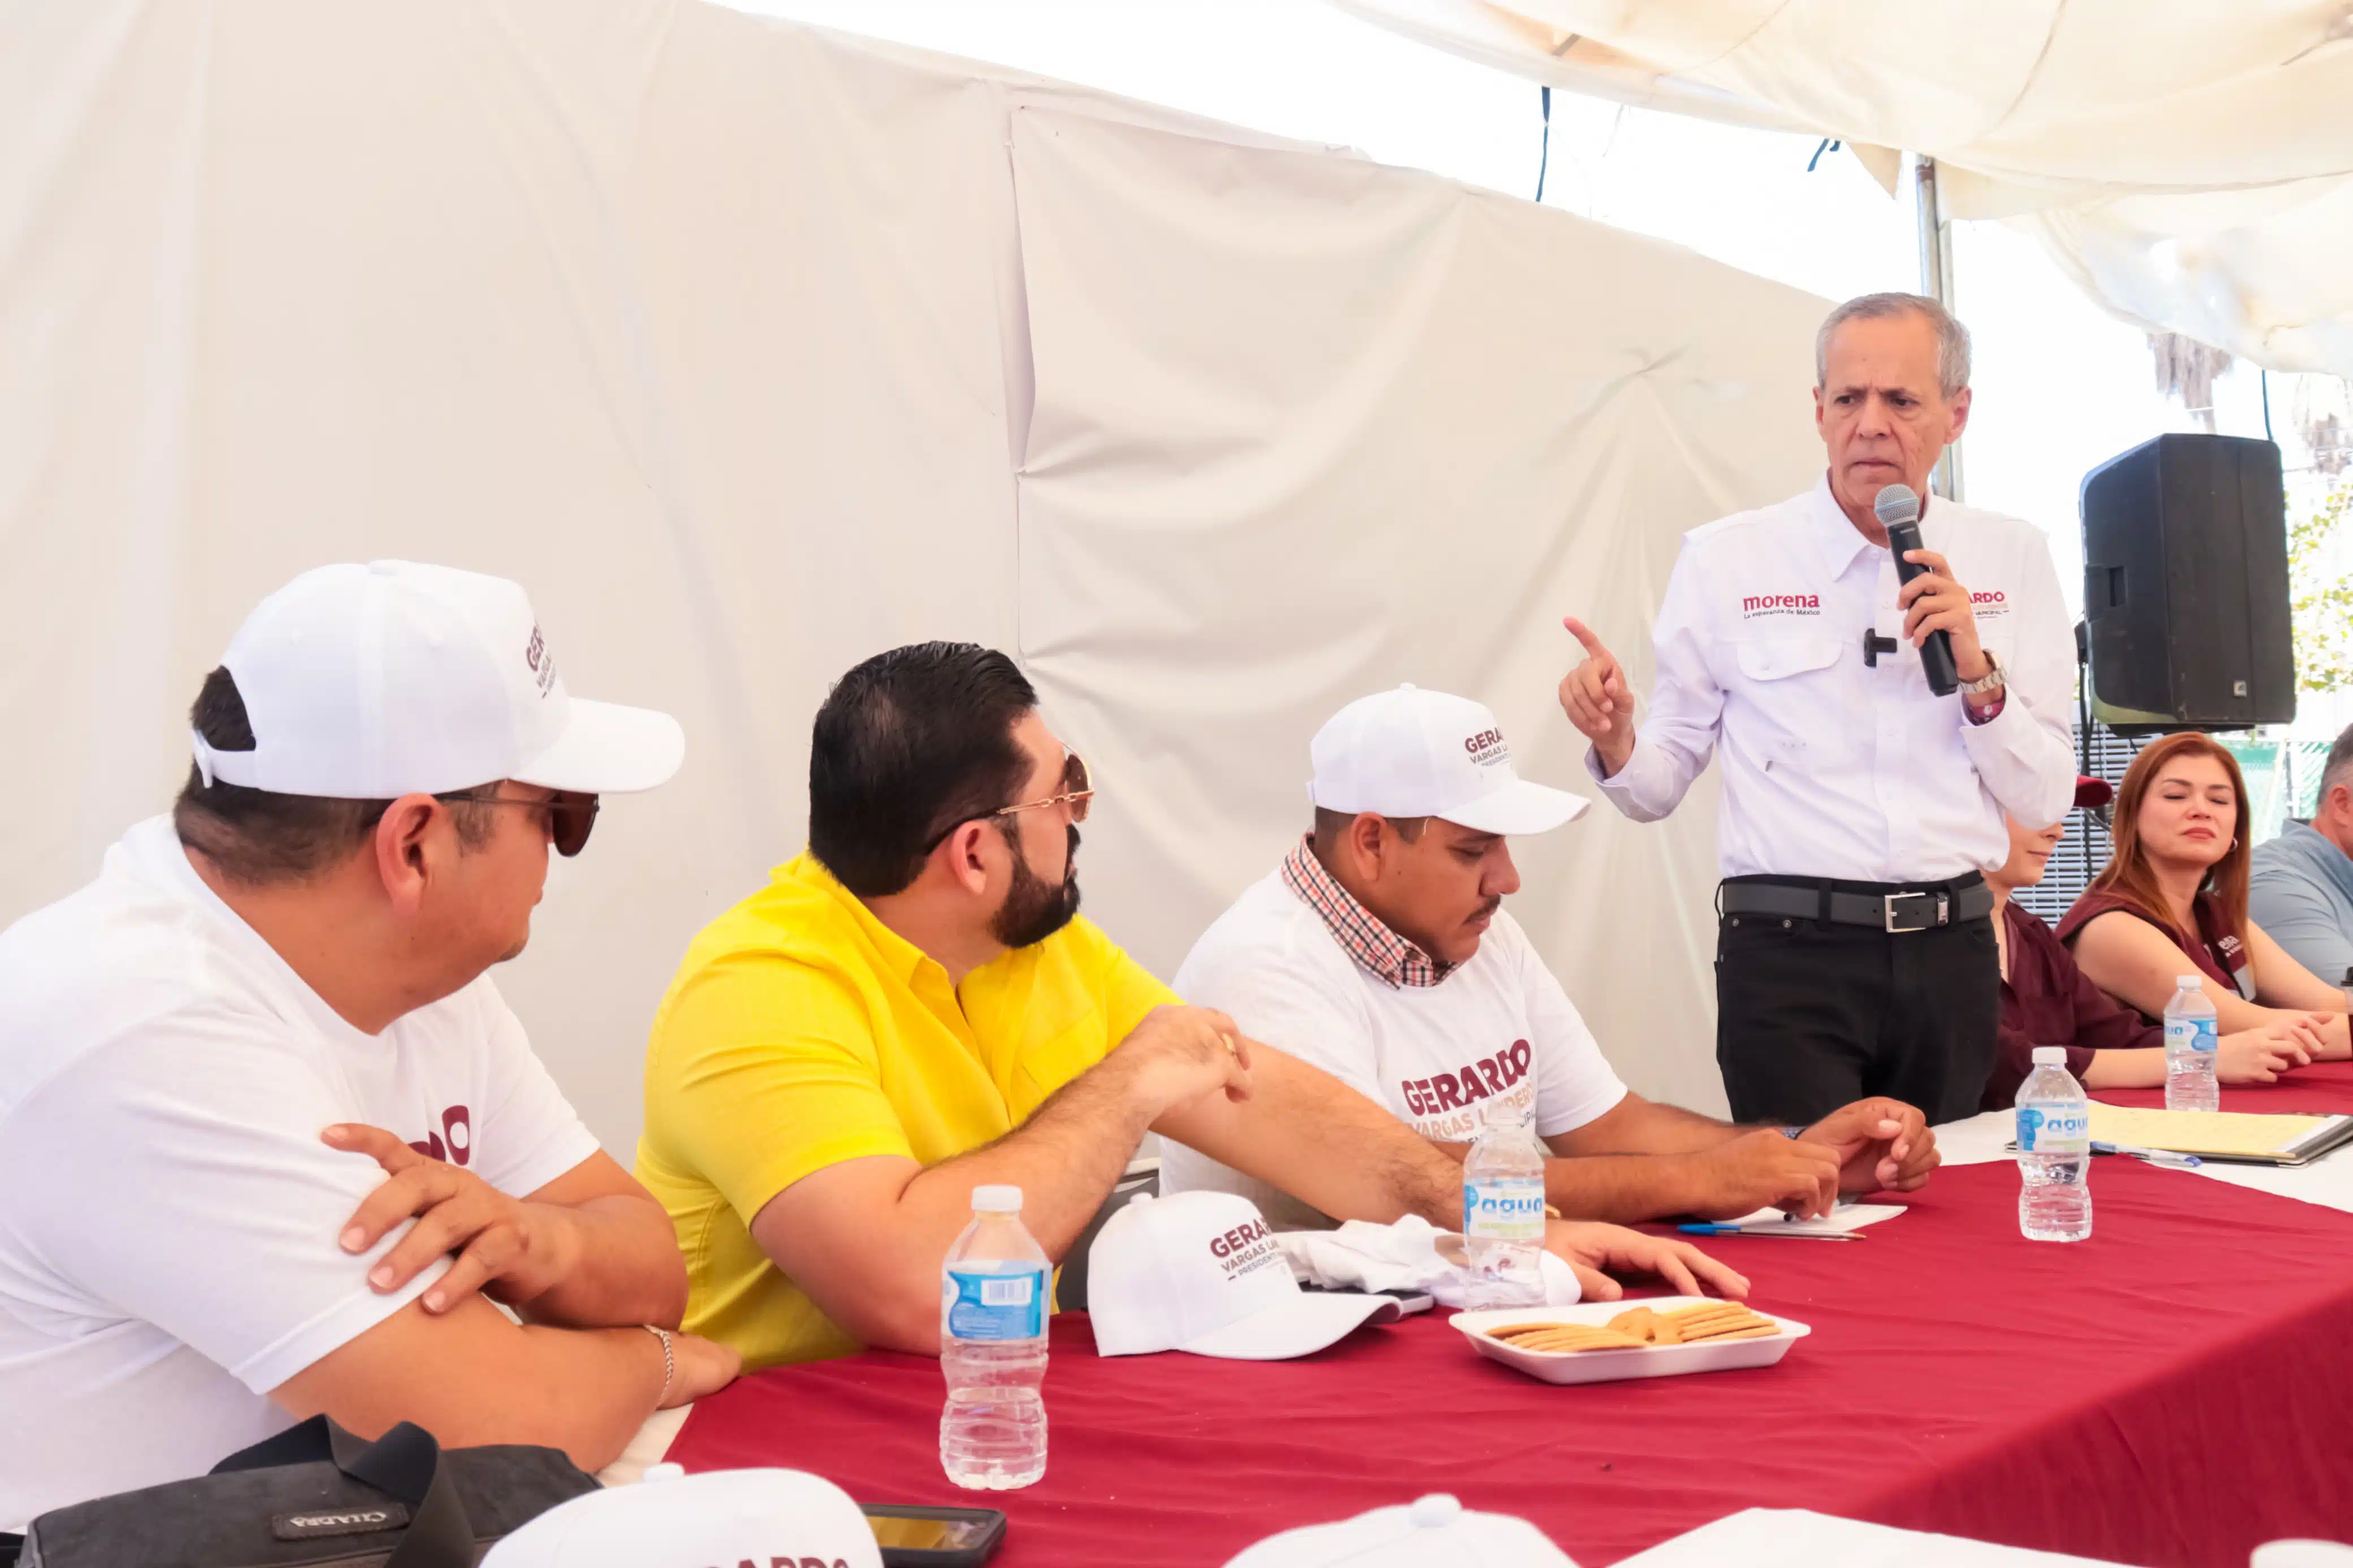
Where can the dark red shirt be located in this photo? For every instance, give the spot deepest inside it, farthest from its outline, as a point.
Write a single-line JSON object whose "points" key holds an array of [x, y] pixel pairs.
{"points": [[2047, 1001], [2216, 950]]}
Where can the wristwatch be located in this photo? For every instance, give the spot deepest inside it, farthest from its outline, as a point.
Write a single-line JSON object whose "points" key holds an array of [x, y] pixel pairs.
{"points": [[1991, 681]]}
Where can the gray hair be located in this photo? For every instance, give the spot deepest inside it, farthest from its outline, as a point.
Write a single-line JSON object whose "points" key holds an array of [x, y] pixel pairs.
{"points": [[2337, 769], [1952, 337]]}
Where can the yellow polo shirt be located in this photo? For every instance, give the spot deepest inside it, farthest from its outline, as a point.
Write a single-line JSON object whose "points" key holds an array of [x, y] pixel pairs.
{"points": [[800, 1031]]}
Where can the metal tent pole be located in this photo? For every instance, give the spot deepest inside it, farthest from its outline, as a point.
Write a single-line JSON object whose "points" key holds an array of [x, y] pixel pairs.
{"points": [[1936, 282]]}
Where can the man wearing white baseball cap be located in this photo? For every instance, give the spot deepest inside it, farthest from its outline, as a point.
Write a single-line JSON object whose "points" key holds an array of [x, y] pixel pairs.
{"points": [[270, 1142], [1379, 951], [914, 1008]]}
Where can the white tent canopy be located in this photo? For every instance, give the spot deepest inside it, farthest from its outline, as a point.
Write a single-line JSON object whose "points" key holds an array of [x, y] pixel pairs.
{"points": [[754, 350], [2190, 165]]}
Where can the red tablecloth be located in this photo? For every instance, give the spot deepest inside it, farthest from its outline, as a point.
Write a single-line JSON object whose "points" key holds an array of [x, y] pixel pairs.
{"points": [[2175, 1390], [2324, 1089]]}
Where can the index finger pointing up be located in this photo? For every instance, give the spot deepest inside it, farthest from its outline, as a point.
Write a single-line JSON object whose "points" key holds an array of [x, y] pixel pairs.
{"points": [[1584, 634]]}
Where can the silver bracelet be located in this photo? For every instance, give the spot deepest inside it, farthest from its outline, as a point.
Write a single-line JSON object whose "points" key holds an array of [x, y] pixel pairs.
{"points": [[669, 1362]]}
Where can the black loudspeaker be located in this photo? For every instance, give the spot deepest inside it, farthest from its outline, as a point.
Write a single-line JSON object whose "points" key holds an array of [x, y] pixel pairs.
{"points": [[2185, 586]]}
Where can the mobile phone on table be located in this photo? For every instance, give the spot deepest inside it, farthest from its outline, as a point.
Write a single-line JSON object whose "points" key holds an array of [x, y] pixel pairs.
{"points": [[1409, 1301], [915, 1536]]}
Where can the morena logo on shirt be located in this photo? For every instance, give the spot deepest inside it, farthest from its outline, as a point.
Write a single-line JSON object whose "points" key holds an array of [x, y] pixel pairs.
{"points": [[454, 1144], [1756, 604], [1454, 1091], [1487, 748]]}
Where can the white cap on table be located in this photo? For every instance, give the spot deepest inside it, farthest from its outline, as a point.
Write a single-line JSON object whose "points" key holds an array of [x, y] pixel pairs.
{"points": [[720, 1516], [1411, 753], [1201, 1271], [392, 679], [997, 1199], [2051, 1056], [1434, 1532]]}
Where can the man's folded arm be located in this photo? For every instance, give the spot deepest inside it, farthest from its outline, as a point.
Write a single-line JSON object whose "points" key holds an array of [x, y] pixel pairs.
{"points": [[865, 1236], [1309, 1134], [470, 1376], [233, 1252], [624, 1266], [620, 1262]]}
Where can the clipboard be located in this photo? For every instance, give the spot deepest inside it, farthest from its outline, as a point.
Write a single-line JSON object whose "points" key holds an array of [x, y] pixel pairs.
{"points": [[2226, 1137]]}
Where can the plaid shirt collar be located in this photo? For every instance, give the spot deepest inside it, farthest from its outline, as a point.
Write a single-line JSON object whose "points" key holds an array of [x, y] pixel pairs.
{"points": [[1359, 933]]}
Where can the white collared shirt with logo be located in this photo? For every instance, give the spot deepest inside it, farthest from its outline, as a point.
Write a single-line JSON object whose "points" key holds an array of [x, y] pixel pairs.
{"points": [[1832, 768], [168, 1215], [1498, 1025]]}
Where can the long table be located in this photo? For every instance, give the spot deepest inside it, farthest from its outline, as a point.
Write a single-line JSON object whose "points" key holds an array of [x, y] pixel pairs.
{"points": [[2324, 1089], [2173, 1391]]}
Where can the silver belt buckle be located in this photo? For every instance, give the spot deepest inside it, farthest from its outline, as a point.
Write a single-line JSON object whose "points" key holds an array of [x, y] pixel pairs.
{"points": [[1887, 912]]}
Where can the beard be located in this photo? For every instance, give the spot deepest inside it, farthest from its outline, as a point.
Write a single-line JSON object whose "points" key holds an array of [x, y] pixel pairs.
{"points": [[1035, 908]]}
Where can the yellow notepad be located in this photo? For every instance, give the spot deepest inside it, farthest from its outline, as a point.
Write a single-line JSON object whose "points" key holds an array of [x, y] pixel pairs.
{"points": [[2225, 1134]]}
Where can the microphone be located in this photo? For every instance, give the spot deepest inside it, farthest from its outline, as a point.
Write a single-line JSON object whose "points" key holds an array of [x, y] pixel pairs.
{"points": [[1898, 511]]}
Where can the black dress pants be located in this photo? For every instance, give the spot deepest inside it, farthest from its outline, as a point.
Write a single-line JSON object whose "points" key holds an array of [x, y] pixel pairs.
{"points": [[1812, 1015]]}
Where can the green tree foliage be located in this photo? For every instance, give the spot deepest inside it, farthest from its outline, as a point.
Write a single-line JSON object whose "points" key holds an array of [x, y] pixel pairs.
{"points": [[2320, 594]]}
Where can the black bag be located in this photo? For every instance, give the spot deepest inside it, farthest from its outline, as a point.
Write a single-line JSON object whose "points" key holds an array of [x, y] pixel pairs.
{"points": [[316, 1495]]}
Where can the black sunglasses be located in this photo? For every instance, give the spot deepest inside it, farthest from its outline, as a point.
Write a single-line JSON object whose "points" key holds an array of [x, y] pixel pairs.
{"points": [[570, 814]]}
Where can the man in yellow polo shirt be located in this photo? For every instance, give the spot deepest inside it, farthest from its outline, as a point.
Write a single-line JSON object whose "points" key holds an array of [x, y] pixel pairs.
{"points": [[912, 1008]]}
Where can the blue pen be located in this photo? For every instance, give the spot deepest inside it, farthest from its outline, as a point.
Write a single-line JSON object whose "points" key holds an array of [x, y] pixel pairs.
{"points": [[1713, 1229], [2154, 1156]]}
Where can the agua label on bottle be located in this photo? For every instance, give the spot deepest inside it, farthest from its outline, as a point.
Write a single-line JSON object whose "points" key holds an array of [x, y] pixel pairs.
{"points": [[2193, 1035], [2060, 1129], [1503, 1210], [982, 1306]]}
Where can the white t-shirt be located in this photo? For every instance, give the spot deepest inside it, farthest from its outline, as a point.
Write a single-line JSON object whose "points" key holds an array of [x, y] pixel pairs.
{"points": [[1434, 1054], [168, 1216]]}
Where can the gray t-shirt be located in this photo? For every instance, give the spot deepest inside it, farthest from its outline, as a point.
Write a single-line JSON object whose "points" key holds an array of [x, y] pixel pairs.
{"points": [[2301, 893]]}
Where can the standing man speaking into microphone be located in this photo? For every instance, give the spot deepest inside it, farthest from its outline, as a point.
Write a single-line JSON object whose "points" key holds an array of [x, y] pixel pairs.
{"points": [[1855, 950]]}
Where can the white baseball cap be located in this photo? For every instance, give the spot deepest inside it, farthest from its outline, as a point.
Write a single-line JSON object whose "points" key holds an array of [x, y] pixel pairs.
{"points": [[720, 1516], [1201, 1271], [1435, 1531], [376, 681], [1412, 753]]}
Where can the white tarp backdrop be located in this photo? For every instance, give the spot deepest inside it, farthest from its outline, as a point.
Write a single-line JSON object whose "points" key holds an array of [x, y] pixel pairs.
{"points": [[2188, 164], [717, 333]]}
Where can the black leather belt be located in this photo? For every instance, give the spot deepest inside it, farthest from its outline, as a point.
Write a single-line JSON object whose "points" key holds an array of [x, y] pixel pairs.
{"points": [[1946, 904]]}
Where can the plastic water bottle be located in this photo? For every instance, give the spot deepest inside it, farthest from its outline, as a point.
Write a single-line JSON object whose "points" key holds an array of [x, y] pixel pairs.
{"points": [[993, 1348], [2192, 1047], [1504, 1209], [2054, 1152]]}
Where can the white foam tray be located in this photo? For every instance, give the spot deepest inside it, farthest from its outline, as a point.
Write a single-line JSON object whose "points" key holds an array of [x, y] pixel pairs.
{"points": [[1611, 1366]]}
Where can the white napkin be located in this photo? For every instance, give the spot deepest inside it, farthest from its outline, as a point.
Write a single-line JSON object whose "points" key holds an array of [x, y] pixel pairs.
{"points": [[1404, 1256]]}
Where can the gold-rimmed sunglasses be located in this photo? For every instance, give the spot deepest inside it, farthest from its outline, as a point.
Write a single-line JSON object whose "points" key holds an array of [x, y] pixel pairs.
{"points": [[1077, 793]]}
